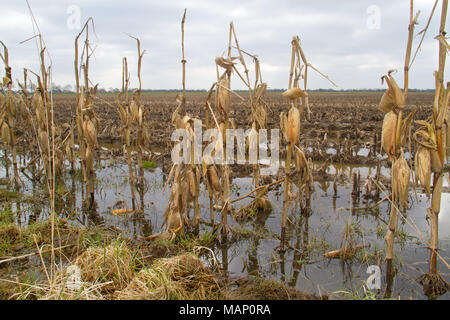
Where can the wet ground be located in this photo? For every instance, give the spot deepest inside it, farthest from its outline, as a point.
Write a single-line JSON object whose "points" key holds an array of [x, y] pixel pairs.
{"points": [[254, 249], [342, 131]]}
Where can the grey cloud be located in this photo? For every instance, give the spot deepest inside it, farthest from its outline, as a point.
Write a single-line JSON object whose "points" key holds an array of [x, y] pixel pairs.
{"points": [[334, 36]]}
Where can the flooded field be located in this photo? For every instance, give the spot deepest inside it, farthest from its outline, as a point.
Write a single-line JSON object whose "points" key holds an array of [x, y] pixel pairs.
{"points": [[335, 218]]}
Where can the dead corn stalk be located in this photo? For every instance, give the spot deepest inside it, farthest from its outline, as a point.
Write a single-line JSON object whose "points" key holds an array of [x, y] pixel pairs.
{"points": [[8, 111], [86, 119], [132, 115], [290, 126], [394, 133], [185, 174], [432, 140]]}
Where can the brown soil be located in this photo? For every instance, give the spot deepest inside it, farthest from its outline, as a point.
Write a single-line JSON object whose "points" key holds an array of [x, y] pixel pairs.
{"points": [[348, 121]]}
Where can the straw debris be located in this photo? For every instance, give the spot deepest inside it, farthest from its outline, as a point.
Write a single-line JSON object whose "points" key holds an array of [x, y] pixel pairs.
{"points": [[178, 277], [111, 263]]}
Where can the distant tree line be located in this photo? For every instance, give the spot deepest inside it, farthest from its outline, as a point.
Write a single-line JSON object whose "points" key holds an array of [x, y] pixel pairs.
{"points": [[70, 89]]}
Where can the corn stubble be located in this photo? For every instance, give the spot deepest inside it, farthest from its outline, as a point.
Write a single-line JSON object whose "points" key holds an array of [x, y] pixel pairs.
{"points": [[393, 138], [432, 141], [134, 131], [86, 120], [56, 144], [291, 129], [9, 105], [185, 176]]}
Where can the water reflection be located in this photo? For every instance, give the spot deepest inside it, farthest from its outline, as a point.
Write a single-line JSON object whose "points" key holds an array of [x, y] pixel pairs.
{"points": [[310, 233]]}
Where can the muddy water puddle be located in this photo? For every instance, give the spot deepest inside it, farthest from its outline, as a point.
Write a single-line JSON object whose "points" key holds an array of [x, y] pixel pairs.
{"points": [[311, 234]]}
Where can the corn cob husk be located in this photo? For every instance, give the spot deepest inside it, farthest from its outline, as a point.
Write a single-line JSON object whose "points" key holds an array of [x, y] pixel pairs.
{"points": [[43, 141], [213, 179], [174, 222], [192, 182], [90, 133], [11, 103], [127, 137], [388, 133], [422, 163], [284, 125], [437, 192], [89, 159], [386, 104], [140, 117], [6, 137], [68, 152], [300, 159], [436, 164], [223, 96], [400, 180], [134, 110], [294, 93], [38, 106], [437, 156], [396, 93], [224, 63], [176, 194], [218, 147], [293, 128], [260, 115], [122, 113], [185, 194]]}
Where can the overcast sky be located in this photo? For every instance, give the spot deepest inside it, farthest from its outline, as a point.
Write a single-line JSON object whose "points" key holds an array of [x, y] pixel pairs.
{"points": [[348, 40]]}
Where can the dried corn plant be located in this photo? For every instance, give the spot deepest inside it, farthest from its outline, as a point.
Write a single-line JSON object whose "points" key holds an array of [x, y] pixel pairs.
{"points": [[8, 112], [185, 178], [47, 134], [258, 118], [394, 134], [132, 115], [87, 122], [432, 141], [186, 174], [126, 117], [218, 177], [290, 126]]}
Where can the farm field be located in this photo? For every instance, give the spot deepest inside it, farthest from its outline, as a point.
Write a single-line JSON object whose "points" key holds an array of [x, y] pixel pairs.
{"points": [[225, 194], [253, 248]]}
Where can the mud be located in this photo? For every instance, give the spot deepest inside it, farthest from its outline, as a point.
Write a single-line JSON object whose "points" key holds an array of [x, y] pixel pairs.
{"points": [[341, 127]]}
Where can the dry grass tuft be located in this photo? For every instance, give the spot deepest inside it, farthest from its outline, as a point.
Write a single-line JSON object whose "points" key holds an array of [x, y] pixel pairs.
{"points": [[10, 232], [178, 277], [60, 290], [112, 263]]}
